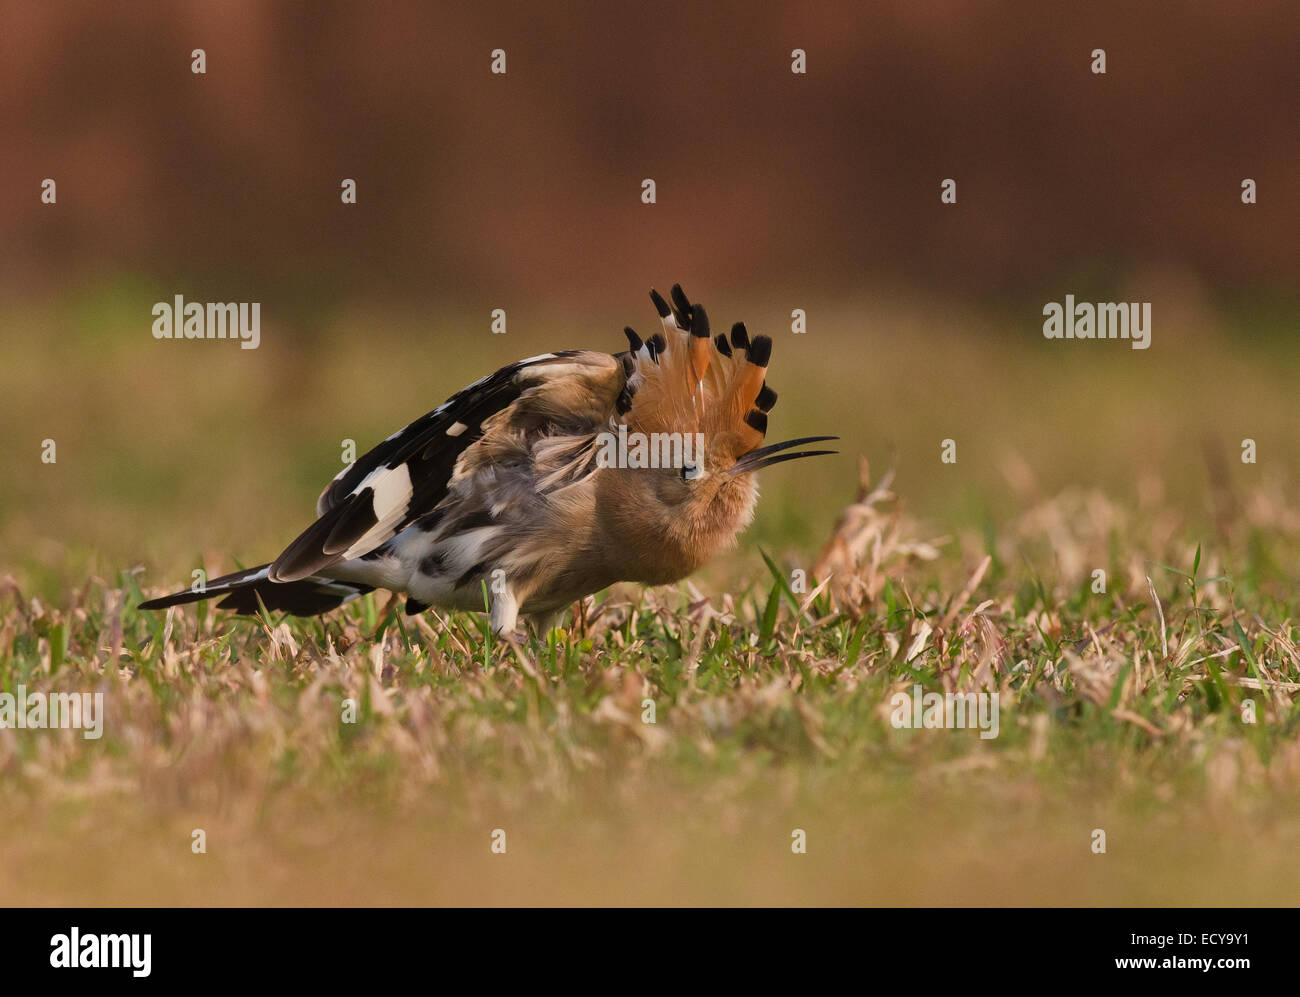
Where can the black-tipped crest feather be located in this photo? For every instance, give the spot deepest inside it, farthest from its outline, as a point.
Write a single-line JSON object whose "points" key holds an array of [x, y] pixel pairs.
{"points": [[661, 306], [699, 322], [760, 351], [681, 308]]}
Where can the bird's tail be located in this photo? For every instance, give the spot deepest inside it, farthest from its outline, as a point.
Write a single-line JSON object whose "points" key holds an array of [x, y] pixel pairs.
{"points": [[243, 590]]}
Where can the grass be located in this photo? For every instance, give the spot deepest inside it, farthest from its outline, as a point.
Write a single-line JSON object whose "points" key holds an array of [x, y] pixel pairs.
{"points": [[771, 709], [770, 675]]}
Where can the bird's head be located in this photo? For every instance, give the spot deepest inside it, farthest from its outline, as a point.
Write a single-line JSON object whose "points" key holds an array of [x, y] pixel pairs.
{"points": [[713, 487], [698, 412]]}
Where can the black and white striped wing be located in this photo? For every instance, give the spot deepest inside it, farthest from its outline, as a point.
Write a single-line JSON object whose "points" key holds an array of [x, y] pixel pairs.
{"points": [[407, 475]]}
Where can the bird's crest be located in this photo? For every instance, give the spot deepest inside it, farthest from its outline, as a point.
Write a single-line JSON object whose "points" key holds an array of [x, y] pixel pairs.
{"points": [[684, 380]]}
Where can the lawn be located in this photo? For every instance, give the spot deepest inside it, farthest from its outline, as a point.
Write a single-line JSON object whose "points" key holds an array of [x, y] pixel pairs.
{"points": [[1099, 557]]}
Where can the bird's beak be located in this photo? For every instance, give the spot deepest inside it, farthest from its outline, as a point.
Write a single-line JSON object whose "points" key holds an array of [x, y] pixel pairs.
{"points": [[769, 455]]}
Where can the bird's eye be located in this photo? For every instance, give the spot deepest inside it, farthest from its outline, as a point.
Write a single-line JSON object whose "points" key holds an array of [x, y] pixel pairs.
{"points": [[689, 471]]}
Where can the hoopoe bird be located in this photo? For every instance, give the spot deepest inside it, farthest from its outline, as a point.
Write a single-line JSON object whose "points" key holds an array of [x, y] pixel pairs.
{"points": [[507, 488]]}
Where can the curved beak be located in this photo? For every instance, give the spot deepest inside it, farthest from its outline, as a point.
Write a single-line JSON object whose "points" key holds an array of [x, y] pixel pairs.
{"points": [[769, 455]]}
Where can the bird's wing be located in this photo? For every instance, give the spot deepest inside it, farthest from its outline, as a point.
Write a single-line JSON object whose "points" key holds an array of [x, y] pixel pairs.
{"points": [[406, 476]]}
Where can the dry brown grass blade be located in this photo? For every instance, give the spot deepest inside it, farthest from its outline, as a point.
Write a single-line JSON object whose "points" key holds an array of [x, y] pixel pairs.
{"points": [[964, 596]]}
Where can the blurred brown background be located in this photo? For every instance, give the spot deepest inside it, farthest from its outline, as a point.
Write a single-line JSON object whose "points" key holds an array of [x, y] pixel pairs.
{"points": [[471, 183]]}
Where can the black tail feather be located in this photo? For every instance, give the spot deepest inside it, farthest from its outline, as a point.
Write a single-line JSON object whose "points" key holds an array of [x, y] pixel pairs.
{"points": [[242, 590]]}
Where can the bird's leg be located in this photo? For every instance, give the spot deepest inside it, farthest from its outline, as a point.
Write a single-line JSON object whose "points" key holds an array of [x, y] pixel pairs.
{"points": [[505, 613], [543, 623]]}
